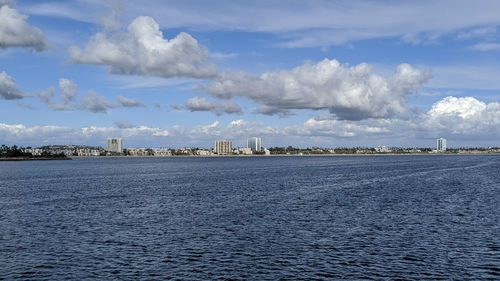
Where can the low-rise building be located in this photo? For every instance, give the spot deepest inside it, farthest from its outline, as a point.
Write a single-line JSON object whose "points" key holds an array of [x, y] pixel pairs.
{"points": [[245, 150], [137, 151], [203, 152], [88, 152], [161, 152], [383, 149], [34, 151]]}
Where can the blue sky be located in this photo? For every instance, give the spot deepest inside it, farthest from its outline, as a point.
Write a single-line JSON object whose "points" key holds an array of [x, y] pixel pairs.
{"points": [[302, 73]]}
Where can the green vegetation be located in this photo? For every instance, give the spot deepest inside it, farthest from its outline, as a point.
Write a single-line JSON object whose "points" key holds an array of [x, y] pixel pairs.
{"points": [[20, 153]]}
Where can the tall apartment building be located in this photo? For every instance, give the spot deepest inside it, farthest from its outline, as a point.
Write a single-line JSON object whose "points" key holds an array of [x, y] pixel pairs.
{"points": [[441, 145], [114, 145], [255, 144], [223, 147]]}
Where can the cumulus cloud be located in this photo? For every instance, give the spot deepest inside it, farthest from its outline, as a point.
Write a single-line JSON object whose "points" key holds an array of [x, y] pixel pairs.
{"points": [[8, 88], [351, 93], [91, 101], [15, 30], [68, 89], [95, 103], [465, 116], [47, 96], [143, 50], [219, 108], [129, 102]]}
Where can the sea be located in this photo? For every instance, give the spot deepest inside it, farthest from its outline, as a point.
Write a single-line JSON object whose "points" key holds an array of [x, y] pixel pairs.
{"points": [[433, 217]]}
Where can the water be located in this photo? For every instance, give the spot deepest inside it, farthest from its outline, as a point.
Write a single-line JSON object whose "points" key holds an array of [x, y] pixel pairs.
{"points": [[255, 218]]}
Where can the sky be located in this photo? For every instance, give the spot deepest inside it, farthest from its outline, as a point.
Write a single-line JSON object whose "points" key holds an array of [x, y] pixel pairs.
{"points": [[303, 73]]}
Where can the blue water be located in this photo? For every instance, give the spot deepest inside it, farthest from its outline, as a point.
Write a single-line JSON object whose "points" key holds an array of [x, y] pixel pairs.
{"points": [[255, 218]]}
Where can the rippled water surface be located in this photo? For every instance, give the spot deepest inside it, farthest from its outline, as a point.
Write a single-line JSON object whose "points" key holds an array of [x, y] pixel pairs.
{"points": [[254, 218]]}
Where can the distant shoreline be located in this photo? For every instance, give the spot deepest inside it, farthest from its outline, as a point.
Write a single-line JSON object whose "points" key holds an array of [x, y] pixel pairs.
{"points": [[33, 158], [284, 155]]}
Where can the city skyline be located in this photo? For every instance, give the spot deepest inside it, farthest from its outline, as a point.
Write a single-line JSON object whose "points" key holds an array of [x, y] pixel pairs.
{"points": [[169, 73]]}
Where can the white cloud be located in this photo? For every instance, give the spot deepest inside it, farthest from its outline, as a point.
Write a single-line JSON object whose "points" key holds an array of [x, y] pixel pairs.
{"points": [[143, 50], [8, 88], [218, 108], [19, 134], [339, 128], [465, 116], [15, 30], [91, 101], [486, 47], [95, 103], [68, 89], [129, 102], [352, 93], [223, 55], [105, 132]]}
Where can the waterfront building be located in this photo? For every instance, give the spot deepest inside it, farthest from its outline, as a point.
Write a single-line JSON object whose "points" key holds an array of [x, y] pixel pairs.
{"points": [[137, 152], [245, 151], [223, 147], [34, 151], [255, 144], [203, 152], [383, 149], [161, 152], [441, 145], [115, 145], [88, 152]]}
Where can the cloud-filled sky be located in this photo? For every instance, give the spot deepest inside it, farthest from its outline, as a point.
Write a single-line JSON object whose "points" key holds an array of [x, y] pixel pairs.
{"points": [[301, 73]]}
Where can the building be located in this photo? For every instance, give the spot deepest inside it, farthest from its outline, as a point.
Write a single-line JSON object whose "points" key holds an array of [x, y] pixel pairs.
{"points": [[87, 152], [34, 151], [203, 152], [255, 144], [137, 152], [115, 145], [223, 147], [161, 152], [441, 145], [383, 149], [245, 151]]}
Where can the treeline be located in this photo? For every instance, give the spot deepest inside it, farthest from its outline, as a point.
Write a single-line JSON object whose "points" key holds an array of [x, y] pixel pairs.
{"points": [[19, 152]]}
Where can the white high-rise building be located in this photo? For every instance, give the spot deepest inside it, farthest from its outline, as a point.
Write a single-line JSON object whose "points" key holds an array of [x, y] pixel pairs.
{"points": [[441, 145], [114, 145], [255, 144], [223, 147]]}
